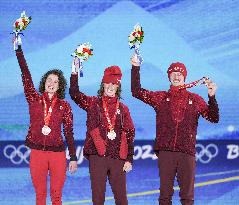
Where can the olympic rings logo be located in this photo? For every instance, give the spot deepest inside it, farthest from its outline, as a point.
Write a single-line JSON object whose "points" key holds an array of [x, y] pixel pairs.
{"points": [[205, 154], [20, 154], [17, 155]]}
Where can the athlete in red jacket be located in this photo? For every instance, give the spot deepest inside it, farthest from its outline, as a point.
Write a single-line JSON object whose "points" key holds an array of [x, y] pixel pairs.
{"points": [[48, 111], [177, 113], [109, 137]]}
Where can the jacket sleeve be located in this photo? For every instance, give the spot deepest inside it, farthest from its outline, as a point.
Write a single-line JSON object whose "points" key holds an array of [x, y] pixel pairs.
{"points": [[29, 90], [82, 100], [128, 128], [68, 131], [149, 97], [208, 111]]}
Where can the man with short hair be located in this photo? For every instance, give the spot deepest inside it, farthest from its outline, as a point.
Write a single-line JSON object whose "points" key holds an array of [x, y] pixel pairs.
{"points": [[177, 113]]}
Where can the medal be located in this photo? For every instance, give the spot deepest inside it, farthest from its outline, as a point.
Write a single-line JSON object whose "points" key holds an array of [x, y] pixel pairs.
{"points": [[111, 122], [46, 130], [195, 83], [111, 135]]}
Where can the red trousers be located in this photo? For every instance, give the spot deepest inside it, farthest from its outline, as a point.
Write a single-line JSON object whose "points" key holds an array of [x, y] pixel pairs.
{"points": [[178, 164], [100, 168], [42, 162]]}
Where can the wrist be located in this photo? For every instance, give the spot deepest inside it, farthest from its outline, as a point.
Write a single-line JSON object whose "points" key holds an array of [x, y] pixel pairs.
{"points": [[73, 158], [19, 48], [136, 66], [211, 95]]}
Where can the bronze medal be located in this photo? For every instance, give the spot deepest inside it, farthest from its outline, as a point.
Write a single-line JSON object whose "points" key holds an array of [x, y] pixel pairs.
{"points": [[46, 130], [111, 135]]}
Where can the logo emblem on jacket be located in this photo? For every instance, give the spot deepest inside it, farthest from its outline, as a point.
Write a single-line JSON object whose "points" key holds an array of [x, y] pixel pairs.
{"points": [[118, 111]]}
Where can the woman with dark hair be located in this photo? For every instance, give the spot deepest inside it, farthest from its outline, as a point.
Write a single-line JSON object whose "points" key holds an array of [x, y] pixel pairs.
{"points": [[62, 82], [110, 135], [48, 111]]}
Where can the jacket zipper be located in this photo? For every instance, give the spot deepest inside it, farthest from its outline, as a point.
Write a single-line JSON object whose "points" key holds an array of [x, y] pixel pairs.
{"points": [[176, 136], [44, 147]]}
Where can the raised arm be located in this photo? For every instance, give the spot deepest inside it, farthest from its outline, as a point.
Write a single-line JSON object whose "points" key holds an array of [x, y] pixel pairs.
{"points": [[77, 96], [211, 111], [208, 111], [29, 90], [142, 94]]}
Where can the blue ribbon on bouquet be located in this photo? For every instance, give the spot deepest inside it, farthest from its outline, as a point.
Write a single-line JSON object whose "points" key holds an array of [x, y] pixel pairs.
{"points": [[81, 67], [80, 64], [17, 39]]}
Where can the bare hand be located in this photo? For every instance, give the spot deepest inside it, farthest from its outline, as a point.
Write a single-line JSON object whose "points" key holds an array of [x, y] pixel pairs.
{"points": [[75, 65], [72, 166], [127, 167], [17, 40], [212, 87], [134, 60], [77, 62], [13, 39]]}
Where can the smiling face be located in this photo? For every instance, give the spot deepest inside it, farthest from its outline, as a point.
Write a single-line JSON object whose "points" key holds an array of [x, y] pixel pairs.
{"points": [[176, 78], [110, 89], [52, 84]]}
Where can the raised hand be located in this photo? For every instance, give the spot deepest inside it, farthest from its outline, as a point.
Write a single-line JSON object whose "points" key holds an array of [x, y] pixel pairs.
{"points": [[134, 60], [17, 41], [212, 87], [75, 65]]}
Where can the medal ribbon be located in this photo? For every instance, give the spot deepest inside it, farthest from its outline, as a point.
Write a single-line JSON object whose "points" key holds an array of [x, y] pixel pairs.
{"points": [[48, 111], [111, 123], [192, 84]]}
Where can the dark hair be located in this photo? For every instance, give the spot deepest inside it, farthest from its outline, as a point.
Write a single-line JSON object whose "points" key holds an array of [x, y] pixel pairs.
{"points": [[100, 92], [62, 82]]}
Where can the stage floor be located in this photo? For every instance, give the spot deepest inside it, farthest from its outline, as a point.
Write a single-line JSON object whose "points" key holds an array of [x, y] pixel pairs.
{"points": [[214, 186]]}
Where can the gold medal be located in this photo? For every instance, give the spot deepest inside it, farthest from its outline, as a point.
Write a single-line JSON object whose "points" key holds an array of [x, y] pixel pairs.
{"points": [[46, 130], [111, 135]]}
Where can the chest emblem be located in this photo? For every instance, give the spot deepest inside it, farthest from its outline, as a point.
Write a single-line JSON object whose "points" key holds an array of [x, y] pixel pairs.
{"points": [[118, 111]]}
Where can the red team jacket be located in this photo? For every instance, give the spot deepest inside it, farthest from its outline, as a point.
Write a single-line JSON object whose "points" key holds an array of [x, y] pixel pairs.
{"points": [[61, 114], [177, 114], [96, 141]]}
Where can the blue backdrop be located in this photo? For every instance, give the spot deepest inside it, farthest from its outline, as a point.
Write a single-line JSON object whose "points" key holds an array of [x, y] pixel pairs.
{"points": [[201, 34]]}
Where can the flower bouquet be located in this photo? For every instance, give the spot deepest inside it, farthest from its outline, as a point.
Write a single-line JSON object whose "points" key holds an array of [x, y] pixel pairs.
{"points": [[82, 53], [136, 37], [19, 25]]}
